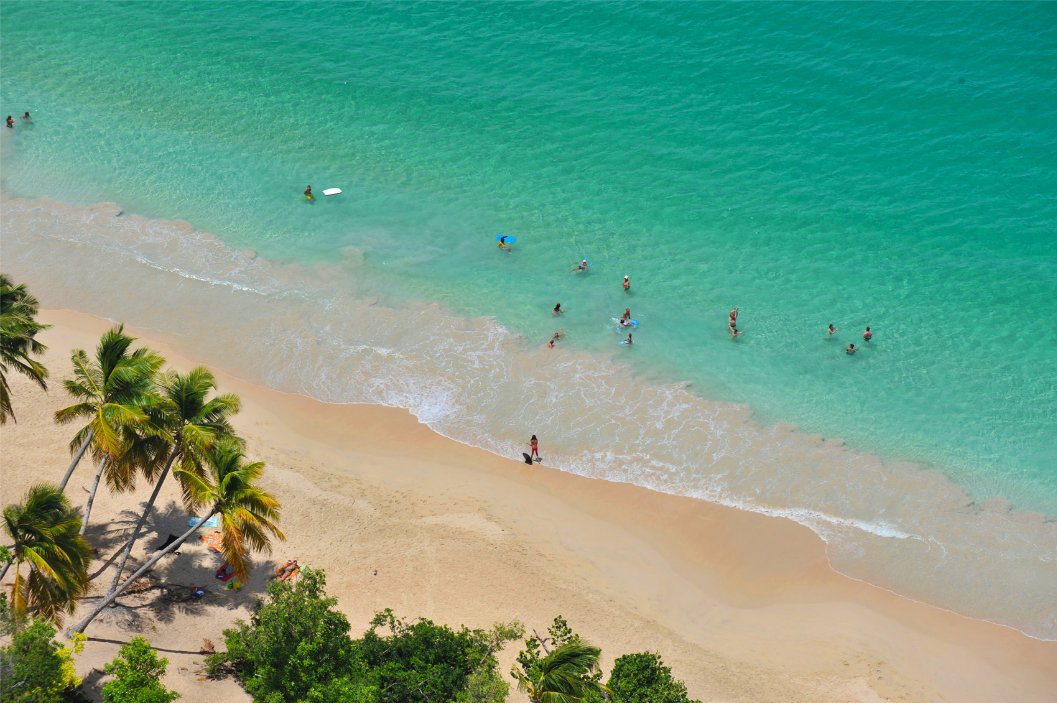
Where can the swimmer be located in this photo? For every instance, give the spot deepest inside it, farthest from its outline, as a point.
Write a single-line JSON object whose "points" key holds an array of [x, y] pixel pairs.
{"points": [[558, 309], [832, 330], [502, 242], [628, 340], [535, 445], [627, 284], [734, 316], [867, 335], [26, 117], [550, 343], [626, 316], [10, 121], [734, 331], [308, 193], [850, 350], [580, 266], [558, 335]]}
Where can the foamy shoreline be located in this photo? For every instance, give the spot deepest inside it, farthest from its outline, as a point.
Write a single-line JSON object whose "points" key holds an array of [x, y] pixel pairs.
{"points": [[744, 607], [954, 554]]}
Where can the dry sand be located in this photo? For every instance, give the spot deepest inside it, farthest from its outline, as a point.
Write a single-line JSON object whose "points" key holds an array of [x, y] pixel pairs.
{"points": [[743, 607]]}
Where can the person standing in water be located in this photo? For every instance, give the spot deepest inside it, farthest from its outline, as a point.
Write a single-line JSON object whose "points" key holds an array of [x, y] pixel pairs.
{"points": [[867, 335], [26, 117], [628, 340], [832, 330], [308, 193], [558, 309], [627, 284], [626, 317], [850, 350], [10, 122], [535, 448]]}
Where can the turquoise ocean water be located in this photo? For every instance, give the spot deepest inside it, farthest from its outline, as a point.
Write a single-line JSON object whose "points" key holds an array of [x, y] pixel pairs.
{"points": [[860, 164]]}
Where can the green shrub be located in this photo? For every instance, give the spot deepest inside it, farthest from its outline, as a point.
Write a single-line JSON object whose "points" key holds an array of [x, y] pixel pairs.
{"points": [[35, 668], [643, 678], [295, 648], [137, 671]]}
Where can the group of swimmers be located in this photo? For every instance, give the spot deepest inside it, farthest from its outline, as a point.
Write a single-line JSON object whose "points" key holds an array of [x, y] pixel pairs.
{"points": [[625, 321], [851, 349], [11, 120]]}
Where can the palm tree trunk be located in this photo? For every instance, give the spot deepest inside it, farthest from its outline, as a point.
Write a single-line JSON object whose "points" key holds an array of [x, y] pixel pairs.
{"points": [[142, 520], [91, 495], [79, 627], [3, 572], [76, 459]]}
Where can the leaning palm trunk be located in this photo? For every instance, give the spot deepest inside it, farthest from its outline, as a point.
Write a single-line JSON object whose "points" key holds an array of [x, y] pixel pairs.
{"points": [[91, 494], [141, 522], [111, 597], [3, 572], [76, 459]]}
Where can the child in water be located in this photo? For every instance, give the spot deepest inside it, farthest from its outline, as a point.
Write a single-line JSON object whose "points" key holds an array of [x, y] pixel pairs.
{"points": [[308, 193]]}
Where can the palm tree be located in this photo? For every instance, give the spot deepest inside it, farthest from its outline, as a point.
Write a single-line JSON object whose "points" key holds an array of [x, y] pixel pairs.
{"points": [[248, 514], [189, 425], [113, 390], [18, 329], [44, 530], [563, 676]]}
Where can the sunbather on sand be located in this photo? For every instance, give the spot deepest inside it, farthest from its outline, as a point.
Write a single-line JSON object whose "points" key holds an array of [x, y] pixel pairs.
{"points": [[287, 570]]}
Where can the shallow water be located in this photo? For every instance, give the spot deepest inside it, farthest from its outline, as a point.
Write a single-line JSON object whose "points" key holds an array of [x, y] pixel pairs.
{"points": [[812, 164]]}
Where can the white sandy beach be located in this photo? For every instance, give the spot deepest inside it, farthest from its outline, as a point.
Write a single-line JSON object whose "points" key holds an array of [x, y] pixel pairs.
{"points": [[742, 606]]}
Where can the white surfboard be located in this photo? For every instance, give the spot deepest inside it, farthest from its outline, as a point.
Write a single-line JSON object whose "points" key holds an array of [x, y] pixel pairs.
{"points": [[332, 191]]}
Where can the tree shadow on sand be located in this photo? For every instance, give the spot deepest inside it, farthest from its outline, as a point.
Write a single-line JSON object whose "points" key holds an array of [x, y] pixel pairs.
{"points": [[165, 593]]}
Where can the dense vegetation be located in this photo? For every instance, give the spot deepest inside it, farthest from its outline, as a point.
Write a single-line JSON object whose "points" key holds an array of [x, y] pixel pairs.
{"points": [[297, 647]]}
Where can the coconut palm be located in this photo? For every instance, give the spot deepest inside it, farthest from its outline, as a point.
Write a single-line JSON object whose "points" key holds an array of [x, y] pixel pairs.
{"points": [[563, 676], [18, 329], [44, 531], [189, 425], [113, 389], [248, 514]]}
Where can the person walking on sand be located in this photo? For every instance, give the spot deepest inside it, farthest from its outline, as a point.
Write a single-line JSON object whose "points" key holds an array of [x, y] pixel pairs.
{"points": [[627, 284], [558, 309], [535, 451], [867, 335]]}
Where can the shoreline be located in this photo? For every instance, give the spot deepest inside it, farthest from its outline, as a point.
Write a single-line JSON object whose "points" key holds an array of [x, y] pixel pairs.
{"points": [[903, 526], [741, 605]]}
